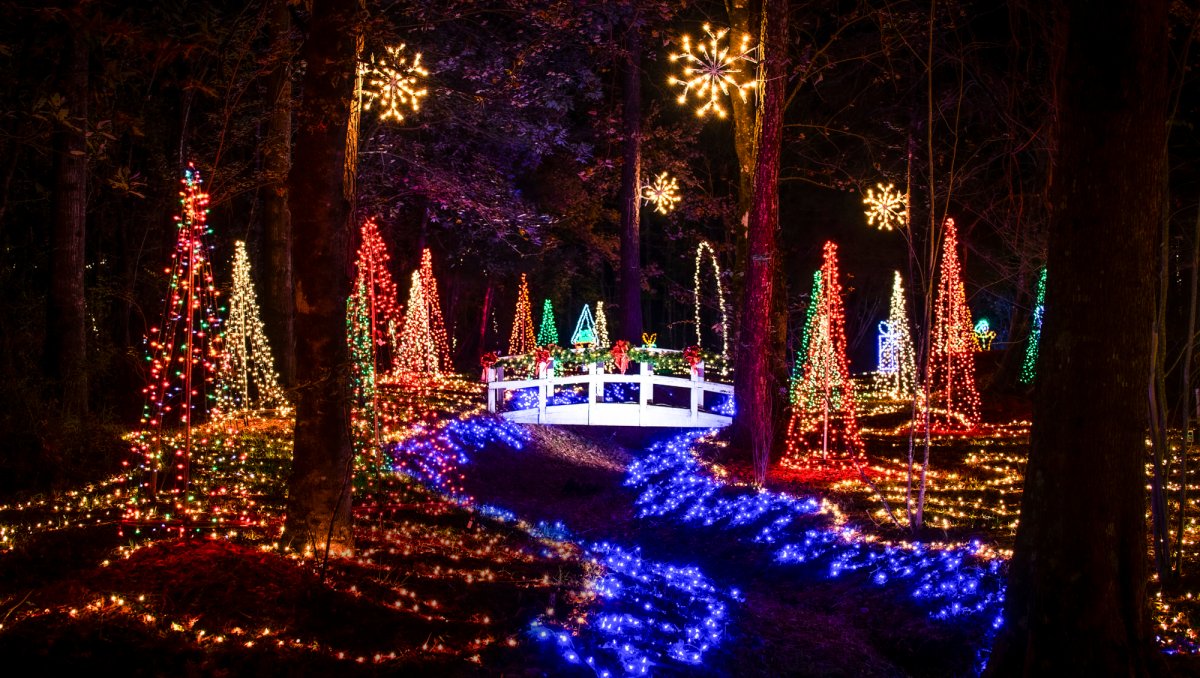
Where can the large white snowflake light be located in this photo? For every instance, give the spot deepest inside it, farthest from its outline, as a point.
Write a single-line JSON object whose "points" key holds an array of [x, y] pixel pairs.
{"points": [[712, 68], [887, 208], [393, 83], [663, 193]]}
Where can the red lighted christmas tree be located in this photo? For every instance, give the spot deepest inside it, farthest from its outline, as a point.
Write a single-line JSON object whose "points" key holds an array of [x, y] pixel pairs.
{"points": [[183, 358], [523, 339], [823, 430], [953, 398], [377, 305]]}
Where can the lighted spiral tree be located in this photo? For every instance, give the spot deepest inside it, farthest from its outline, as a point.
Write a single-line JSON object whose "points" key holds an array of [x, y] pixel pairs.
{"points": [[523, 339], [548, 332], [712, 69], [823, 430], [897, 359], [1029, 367], [183, 355], [433, 309], [953, 399], [248, 382]]}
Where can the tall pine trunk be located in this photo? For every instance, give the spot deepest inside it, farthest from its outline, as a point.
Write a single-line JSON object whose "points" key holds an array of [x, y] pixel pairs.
{"points": [[66, 337], [319, 490], [754, 377], [277, 231], [631, 186], [1077, 600]]}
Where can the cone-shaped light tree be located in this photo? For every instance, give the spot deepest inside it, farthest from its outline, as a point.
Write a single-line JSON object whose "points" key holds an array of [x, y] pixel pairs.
{"points": [[523, 339], [897, 359], [1029, 367], [433, 310], [823, 430], [184, 352], [374, 281], [417, 351], [248, 381], [953, 399], [548, 332]]}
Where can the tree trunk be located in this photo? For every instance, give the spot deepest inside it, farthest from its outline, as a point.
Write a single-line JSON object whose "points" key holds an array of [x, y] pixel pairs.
{"points": [[319, 491], [741, 18], [1185, 409], [1077, 598], [631, 186], [754, 386], [277, 231], [66, 337]]}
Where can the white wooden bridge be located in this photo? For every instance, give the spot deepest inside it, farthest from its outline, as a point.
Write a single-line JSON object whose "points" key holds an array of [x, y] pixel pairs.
{"points": [[597, 410]]}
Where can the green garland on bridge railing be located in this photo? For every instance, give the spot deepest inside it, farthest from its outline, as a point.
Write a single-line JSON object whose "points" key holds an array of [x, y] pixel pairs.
{"points": [[662, 362]]}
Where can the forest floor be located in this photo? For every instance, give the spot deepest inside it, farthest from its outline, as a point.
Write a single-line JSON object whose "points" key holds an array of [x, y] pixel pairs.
{"points": [[468, 571]]}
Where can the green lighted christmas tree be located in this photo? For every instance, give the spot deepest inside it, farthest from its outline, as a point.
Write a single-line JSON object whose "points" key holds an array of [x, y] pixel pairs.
{"points": [[548, 332], [1029, 367]]}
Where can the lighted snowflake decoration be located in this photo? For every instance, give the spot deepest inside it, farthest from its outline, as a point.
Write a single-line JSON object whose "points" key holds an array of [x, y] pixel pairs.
{"points": [[711, 69], [393, 83], [887, 208], [663, 193]]}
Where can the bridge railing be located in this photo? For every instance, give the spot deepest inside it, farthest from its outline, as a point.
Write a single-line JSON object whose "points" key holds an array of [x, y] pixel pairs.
{"points": [[596, 410]]}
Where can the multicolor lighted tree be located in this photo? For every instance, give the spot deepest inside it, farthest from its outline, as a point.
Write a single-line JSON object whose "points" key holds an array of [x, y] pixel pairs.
{"points": [[548, 332], [897, 359], [716, 269], [953, 399], [394, 84], [585, 329], [247, 382], [417, 351], [433, 310], [523, 339], [183, 356], [601, 326], [823, 430], [1029, 367], [814, 297], [711, 69], [374, 280]]}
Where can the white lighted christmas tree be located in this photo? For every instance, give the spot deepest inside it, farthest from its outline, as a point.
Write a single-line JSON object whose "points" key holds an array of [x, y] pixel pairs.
{"points": [[897, 359], [433, 309], [417, 352], [601, 326], [248, 381]]}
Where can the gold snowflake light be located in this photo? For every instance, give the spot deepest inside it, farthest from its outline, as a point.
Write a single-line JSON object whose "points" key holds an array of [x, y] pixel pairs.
{"points": [[663, 193], [711, 69], [394, 84], [887, 208]]}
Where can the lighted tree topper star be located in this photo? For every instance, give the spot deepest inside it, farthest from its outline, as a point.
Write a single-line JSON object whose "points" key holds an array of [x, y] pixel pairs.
{"points": [[663, 193], [392, 82], [887, 208], [711, 69]]}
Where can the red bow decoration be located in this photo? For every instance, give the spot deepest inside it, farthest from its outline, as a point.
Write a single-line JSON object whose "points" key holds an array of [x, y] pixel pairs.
{"points": [[488, 359], [692, 355], [620, 354]]}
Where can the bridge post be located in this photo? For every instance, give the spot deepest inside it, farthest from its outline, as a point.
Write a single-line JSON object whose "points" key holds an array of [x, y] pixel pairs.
{"points": [[543, 389], [697, 392], [645, 390], [490, 375]]}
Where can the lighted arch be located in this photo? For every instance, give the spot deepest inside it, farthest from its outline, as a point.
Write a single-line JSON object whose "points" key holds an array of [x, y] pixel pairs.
{"points": [[716, 268]]}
